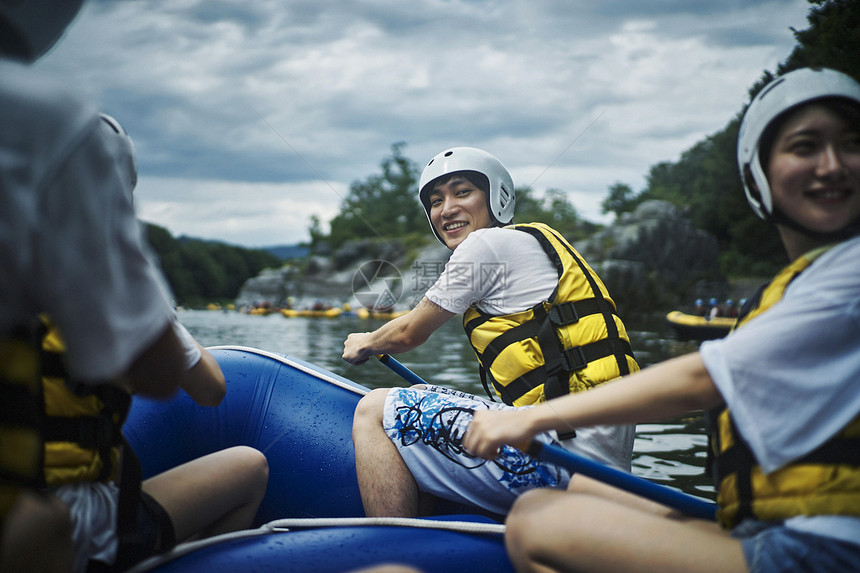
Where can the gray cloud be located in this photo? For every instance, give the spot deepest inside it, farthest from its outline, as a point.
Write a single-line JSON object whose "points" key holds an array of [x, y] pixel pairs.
{"points": [[238, 106]]}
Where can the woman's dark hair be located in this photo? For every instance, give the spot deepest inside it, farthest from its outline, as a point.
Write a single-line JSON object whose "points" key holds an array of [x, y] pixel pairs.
{"points": [[848, 110]]}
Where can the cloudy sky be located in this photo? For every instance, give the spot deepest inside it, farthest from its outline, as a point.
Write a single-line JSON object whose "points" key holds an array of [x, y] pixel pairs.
{"points": [[249, 117]]}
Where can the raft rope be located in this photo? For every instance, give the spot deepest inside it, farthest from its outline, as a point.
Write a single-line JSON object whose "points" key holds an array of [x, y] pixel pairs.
{"points": [[290, 524], [301, 366], [314, 522]]}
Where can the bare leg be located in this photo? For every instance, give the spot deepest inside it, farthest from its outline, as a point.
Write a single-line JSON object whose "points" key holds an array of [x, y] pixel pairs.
{"points": [[550, 530], [213, 494], [585, 485], [37, 536], [386, 484]]}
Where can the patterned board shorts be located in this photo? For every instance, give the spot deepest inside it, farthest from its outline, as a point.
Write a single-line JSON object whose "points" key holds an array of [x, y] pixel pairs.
{"points": [[428, 425]]}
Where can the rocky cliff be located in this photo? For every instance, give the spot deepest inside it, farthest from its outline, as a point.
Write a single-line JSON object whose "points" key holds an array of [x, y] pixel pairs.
{"points": [[370, 273], [650, 259], [654, 258]]}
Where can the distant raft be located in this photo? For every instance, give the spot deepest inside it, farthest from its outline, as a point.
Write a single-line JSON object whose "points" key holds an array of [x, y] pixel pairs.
{"points": [[379, 314], [693, 327], [325, 313]]}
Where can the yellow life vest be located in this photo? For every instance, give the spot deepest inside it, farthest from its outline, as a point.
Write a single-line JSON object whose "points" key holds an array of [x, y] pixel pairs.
{"points": [[55, 432], [83, 424], [570, 342], [21, 446], [824, 482]]}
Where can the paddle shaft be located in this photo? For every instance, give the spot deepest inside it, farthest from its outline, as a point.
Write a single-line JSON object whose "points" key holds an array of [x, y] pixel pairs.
{"points": [[686, 504], [400, 369]]}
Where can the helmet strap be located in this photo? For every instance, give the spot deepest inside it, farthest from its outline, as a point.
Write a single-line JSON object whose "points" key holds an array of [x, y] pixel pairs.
{"points": [[778, 217]]}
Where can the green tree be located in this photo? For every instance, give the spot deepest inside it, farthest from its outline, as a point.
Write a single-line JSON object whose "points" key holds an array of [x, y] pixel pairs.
{"points": [[621, 199], [529, 208], [705, 180], [316, 233], [205, 271], [554, 209], [832, 39], [209, 277], [383, 205]]}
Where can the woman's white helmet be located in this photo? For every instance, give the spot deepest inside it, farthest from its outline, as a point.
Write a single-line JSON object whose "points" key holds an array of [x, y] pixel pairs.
{"points": [[501, 198], [33, 26], [779, 96]]}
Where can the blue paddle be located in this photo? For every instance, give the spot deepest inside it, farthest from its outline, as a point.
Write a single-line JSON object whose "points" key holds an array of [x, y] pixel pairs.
{"points": [[400, 369], [685, 503]]}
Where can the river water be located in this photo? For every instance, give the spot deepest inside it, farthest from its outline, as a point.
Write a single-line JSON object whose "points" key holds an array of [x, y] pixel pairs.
{"points": [[671, 452]]}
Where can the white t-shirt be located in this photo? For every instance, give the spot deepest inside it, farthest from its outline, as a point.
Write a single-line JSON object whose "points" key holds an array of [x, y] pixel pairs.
{"points": [[790, 375], [801, 357], [500, 271], [70, 245]]}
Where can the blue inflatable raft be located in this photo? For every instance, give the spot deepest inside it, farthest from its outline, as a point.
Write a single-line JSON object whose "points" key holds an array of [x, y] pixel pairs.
{"points": [[311, 519]]}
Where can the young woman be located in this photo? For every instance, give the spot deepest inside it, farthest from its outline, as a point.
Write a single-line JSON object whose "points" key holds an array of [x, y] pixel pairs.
{"points": [[784, 384]]}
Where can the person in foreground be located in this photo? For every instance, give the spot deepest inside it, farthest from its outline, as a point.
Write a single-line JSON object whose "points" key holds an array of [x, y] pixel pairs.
{"points": [[783, 385], [541, 323], [72, 250]]}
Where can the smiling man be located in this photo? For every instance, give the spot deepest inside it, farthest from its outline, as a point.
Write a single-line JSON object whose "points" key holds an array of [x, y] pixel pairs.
{"points": [[541, 323]]}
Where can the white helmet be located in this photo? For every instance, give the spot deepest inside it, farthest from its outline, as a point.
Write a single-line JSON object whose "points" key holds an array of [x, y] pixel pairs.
{"points": [[501, 198], [782, 94], [31, 27]]}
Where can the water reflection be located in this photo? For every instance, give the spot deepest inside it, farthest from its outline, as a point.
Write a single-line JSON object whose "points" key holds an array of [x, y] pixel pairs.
{"points": [[671, 453]]}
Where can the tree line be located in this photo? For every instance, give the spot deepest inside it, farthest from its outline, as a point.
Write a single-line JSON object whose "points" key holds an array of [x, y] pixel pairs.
{"points": [[200, 272], [706, 181]]}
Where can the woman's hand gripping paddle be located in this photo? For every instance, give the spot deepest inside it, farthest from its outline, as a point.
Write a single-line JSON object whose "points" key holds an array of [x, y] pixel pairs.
{"points": [[686, 504]]}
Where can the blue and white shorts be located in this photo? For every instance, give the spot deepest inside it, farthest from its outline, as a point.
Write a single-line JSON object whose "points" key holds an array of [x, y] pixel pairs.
{"points": [[428, 425]]}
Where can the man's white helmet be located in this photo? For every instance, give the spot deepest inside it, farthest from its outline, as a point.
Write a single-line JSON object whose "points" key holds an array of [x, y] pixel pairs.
{"points": [[782, 94], [501, 198], [31, 27]]}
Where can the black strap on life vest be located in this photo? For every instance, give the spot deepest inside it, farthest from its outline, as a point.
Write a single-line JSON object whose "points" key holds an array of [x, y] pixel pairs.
{"points": [[20, 411], [738, 459], [620, 350], [100, 432], [559, 361]]}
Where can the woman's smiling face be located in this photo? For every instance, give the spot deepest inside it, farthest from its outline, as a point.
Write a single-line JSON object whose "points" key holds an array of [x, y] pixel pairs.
{"points": [[814, 169], [458, 207]]}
